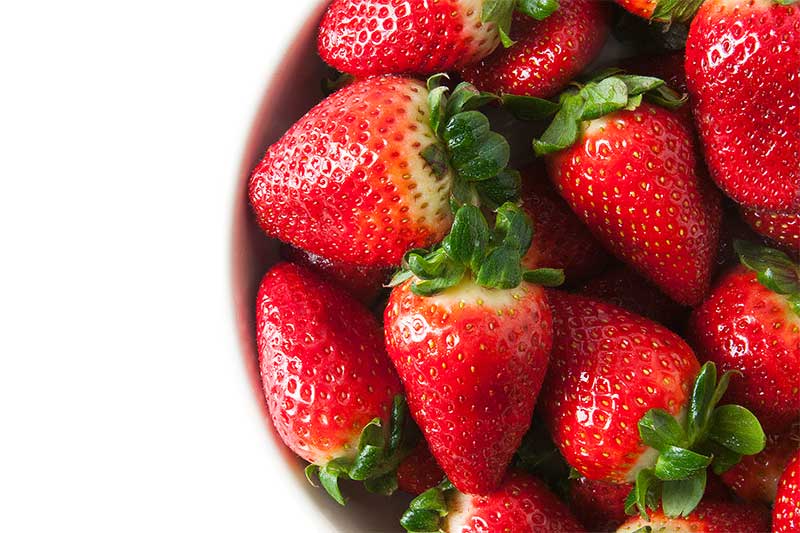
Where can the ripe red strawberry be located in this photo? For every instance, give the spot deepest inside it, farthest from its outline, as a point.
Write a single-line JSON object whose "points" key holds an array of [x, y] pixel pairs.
{"points": [[782, 229], [600, 506], [472, 361], [547, 54], [745, 326], [709, 517], [560, 238], [608, 368], [786, 513], [328, 383], [419, 471], [756, 477], [365, 283], [368, 173], [632, 178], [616, 399], [521, 504], [365, 37], [741, 69], [624, 288]]}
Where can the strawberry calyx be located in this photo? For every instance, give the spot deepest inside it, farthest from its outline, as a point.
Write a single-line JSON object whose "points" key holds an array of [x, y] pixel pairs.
{"points": [[477, 156], [493, 257], [675, 10], [425, 512], [774, 270], [711, 435], [376, 459], [605, 93], [500, 12]]}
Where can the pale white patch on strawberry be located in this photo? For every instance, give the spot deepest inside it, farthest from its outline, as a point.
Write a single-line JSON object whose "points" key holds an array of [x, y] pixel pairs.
{"points": [[485, 37], [469, 293], [460, 509]]}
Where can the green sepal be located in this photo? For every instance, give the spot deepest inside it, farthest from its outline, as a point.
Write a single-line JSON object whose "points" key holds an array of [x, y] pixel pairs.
{"points": [[675, 10], [774, 269], [679, 497], [466, 97], [476, 152], [603, 97], [385, 485], [498, 190], [644, 494], [659, 429], [425, 512], [468, 238], [701, 401], [329, 478], [436, 156], [529, 108], [724, 459], [563, 131], [675, 462], [546, 277], [514, 228], [500, 269], [737, 429], [785, 2], [537, 9], [499, 12], [450, 277]]}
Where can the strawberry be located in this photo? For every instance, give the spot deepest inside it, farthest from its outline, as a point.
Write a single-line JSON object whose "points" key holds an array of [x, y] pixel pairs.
{"points": [[666, 11], [365, 283], [756, 477], [328, 383], [366, 37], [624, 288], [741, 70], [786, 513], [419, 471], [628, 170], [621, 407], [750, 324], [782, 229], [470, 340], [561, 239], [600, 506], [547, 54], [709, 517], [521, 503], [368, 173]]}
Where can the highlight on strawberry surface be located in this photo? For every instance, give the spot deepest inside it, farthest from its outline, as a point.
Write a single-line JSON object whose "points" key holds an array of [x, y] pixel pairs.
{"points": [[660, 377]]}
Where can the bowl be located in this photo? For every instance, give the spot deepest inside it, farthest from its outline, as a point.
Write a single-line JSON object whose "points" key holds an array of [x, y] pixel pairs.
{"points": [[294, 87]]}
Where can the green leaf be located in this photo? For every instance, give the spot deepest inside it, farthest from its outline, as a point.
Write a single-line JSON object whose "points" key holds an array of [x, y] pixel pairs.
{"points": [[639, 84], [400, 277], [640, 497], [602, 98], [466, 97], [501, 269], [737, 429], [425, 512], [701, 402], [428, 266], [437, 101], [537, 9], [722, 386], [500, 13], [666, 97], [680, 497], [311, 472], [371, 447], [500, 189], [466, 243], [546, 277], [774, 269], [476, 152], [329, 478], [529, 108], [563, 131], [658, 429], [437, 80], [385, 485], [450, 277], [724, 459], [679, 463], [436, 156], [513, 227], [398, 422]]}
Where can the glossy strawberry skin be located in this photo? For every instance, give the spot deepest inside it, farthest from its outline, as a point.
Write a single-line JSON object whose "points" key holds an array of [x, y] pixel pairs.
{"points": [[624, 288], [323, 364], [600, 506], [548, 54], [745, 326], [755, 478], [472, 361], [782, 229], [633, 180], [521, 504], [786, 513], [608, 368], [365, 283], [366, 37], [741, 67], [560, 240], [708, 517], [419, 471], [641, 8], [347, 181]]}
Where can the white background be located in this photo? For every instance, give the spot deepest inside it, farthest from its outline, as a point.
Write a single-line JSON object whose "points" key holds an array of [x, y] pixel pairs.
{"points": [[123, 405]]}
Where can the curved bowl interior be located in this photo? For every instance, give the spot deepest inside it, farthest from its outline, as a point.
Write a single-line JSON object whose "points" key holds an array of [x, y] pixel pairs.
{"points": [[292, 91]]}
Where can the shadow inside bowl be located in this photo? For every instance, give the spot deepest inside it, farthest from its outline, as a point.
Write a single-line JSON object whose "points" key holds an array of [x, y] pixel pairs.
{"points": [[292, 91]]}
